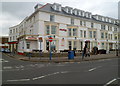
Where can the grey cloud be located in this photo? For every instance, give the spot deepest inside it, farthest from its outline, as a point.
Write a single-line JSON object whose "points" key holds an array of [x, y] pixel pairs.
{"points": [[14, 12], [18, 9]]}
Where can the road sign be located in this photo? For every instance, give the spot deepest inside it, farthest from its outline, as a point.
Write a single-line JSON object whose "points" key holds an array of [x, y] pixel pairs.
{"points": [[40, 39], [50, 39]]}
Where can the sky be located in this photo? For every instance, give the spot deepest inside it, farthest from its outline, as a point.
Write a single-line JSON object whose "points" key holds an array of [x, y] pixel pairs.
{"points": [[12, 12]]}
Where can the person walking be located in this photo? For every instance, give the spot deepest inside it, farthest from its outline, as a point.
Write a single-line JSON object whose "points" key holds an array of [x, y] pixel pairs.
{"points": [[87, 52], [84, 51]]}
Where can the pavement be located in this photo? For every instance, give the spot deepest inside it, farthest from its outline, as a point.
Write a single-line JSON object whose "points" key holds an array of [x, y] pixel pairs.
{"points": [[63, 59]]}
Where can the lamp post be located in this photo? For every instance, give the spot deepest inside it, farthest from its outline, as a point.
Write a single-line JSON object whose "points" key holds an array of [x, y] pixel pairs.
{"points": [[40, 40], [116, 49]]}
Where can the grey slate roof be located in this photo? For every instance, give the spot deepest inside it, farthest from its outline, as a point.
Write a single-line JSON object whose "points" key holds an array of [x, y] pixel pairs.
{"points": [[47, 8]]}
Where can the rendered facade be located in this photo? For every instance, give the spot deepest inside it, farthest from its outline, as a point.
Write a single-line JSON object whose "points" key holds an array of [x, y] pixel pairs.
{"points": [[70, 29]]}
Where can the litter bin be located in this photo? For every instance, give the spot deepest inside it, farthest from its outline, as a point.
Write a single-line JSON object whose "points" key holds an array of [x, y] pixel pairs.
{"points": [[70, 54]]}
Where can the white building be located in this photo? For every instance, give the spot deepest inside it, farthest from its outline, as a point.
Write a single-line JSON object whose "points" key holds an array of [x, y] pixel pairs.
{"points": [[70, 29]]}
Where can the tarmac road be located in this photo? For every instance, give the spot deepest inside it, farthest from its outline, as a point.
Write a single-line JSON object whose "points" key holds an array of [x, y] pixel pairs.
{"points": [[104, 72]]}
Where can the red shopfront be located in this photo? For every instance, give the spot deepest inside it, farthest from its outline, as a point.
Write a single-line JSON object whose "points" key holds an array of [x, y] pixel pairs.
{"points": [[13, 46]]}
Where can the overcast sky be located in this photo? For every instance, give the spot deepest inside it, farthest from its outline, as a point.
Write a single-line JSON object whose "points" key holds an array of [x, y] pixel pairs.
{"points": [[14, 11]]}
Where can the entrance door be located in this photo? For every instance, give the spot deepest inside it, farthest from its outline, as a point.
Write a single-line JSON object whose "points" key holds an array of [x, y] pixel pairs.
{"points": [[110, 46], [53, 45], [88, 44], [47, 45]]}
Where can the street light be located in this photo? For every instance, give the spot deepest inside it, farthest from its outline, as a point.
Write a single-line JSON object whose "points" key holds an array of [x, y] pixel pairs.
{"points": [[116, 50], [40, 40]]}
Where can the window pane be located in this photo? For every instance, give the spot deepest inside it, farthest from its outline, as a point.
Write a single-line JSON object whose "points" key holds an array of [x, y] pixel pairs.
{"points": [[69, 31], [102, 35], [70, 45], [94, 34], [47, 29], [81, 33], [74, 32], [84, 34], [53, 29], [90, 33], [72, 21], [28, 45], [92, 25], [75, 45], [106, 35], [81, 23], [52, 18]]}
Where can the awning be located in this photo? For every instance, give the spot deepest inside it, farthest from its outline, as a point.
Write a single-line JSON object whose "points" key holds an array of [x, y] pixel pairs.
{"points": [[13, 42]]}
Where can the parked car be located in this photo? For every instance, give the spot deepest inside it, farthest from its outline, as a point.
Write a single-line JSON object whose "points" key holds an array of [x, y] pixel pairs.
{"points": [[7, 50], [2, 50]]}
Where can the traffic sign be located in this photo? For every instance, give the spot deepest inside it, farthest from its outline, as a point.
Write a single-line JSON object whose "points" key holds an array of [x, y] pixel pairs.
{"points": [[40, 39], [50, 39]]}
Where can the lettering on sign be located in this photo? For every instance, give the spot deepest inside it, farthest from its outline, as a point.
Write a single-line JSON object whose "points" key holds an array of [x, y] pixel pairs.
{"points": [[63, 30], [31, 38]]}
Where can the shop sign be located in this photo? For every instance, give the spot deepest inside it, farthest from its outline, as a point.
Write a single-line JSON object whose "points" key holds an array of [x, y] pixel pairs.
{"points": [[40, 39], [31, 38], [63, 30]]}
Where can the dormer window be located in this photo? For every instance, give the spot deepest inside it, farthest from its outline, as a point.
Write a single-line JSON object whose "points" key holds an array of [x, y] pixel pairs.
{"points": [[83, 13], [90, 15], [102, 18], [87, 14], [75, 11], [79, 13], [109, 20], [68, 10], [56, 7]]}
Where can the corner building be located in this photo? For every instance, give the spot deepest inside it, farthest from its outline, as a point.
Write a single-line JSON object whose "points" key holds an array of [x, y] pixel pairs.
{"points": [[70, 29]]}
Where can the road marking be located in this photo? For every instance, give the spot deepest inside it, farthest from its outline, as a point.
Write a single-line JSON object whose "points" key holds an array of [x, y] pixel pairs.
{"points": [[38, 77], [9, 67], [94, 68], [64, 72], [18, 80], [2, 60], [45, 76], [91, 69], [110, 82]]}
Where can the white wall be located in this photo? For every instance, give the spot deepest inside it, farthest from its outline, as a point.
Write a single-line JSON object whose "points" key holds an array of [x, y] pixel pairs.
{"points": [[63, 33], [62, 19], [41, 28]]}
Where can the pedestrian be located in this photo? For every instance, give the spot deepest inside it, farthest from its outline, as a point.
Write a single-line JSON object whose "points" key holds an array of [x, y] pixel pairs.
{"points": [[87, 52], [95, 50], [74, 52], [84, 52]]}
